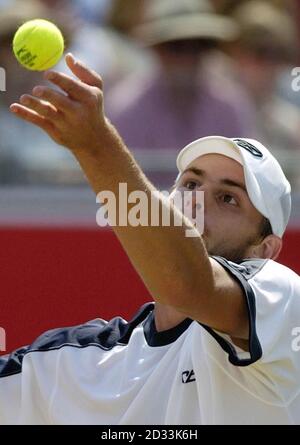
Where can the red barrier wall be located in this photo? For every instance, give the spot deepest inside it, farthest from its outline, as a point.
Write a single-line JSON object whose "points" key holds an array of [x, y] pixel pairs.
{"points": [[60, 277]]}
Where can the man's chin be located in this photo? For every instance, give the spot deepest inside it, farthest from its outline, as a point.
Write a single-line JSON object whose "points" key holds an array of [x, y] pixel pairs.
{"points": [[207, 244], [214, 250]]}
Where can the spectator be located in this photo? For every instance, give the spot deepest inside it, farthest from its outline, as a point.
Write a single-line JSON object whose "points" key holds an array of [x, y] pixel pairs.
{"points": [[100, 41], [176, 102], [228, 6], [92, 11], [25, 153], [267, 46]]}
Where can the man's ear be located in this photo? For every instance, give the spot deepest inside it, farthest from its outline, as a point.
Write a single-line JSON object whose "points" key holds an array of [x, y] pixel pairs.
{"points": [[269, 247]]}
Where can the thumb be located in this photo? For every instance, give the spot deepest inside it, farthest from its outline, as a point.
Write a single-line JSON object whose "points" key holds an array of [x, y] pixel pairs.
{"points": [[85, 74]]}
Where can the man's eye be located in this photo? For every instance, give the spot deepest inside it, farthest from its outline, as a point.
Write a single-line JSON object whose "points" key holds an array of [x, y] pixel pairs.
{"points": [[228, 199], [190, 185]]}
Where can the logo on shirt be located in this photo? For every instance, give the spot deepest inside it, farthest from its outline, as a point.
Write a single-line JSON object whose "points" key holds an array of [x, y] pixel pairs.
{"points": [[249, 147], [188, 376]]}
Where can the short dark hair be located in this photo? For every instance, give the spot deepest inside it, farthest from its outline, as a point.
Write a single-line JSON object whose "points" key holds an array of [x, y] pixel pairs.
{"points": [[266, 228]]}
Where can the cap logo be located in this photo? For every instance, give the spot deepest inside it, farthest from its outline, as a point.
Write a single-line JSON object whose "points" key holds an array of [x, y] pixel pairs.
{"points": [[249, 147]]}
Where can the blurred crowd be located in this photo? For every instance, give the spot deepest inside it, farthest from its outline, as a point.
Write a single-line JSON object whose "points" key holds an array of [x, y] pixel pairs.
{"points": [[173, 70]]}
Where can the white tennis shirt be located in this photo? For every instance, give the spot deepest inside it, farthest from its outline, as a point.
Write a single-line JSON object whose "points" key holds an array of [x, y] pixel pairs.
{"points": [[119, 372]]}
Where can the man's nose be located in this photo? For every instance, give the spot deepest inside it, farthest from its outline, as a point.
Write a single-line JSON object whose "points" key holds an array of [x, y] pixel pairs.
{"points": [[204, 193], [204, 204], [195, 204]]}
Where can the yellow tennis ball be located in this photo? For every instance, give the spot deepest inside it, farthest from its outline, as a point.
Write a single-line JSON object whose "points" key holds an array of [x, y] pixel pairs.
{"points": [[38, 45]]}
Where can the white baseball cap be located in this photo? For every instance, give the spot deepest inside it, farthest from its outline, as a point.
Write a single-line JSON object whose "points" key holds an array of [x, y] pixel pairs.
{"points": [[267, 187]]}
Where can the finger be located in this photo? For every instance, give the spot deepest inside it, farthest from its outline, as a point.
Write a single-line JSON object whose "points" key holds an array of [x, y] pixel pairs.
{"points": [[31, 117], [76, 90], [58, 100], [85, 74], [41, 107]]}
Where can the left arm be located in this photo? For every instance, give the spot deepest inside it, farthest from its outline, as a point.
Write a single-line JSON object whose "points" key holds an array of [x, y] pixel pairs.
{"points": [[177, 270]]}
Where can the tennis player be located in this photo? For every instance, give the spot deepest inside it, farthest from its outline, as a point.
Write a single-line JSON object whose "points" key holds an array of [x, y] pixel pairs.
{"points": [[216, 346]]}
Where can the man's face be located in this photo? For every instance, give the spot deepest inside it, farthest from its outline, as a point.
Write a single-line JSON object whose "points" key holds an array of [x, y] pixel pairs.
{"points": [[231, 222]]}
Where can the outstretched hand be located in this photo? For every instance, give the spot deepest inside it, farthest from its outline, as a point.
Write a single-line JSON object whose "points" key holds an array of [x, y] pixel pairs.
{"points": [[73, 117]]}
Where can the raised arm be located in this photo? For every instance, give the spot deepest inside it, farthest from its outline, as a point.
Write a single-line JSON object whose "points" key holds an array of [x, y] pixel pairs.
{"points": [[176, 269]]}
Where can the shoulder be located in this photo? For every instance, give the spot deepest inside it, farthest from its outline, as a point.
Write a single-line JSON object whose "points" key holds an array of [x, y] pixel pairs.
{"points": [[264, 269], [272, 295], [98, 333], [274, 277], [267, 283]]}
